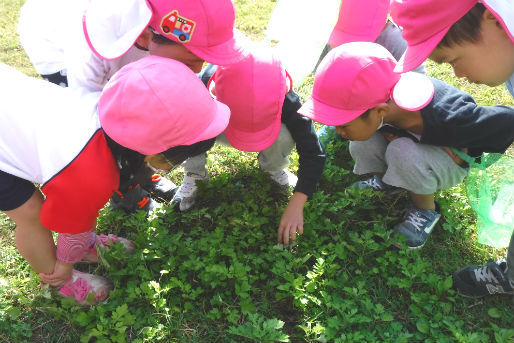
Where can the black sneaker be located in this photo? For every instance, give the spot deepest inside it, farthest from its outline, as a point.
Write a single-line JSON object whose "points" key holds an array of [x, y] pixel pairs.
{"points": [[417, 225], [158, 186], [133, 200], [479, 281]]}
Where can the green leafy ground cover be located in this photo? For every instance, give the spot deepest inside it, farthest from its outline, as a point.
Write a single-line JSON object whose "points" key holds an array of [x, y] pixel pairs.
{"points": [[215, 274]]}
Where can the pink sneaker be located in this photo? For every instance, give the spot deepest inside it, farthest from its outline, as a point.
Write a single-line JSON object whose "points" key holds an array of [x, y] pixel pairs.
{"points": [[106, 241], [80, 285]]}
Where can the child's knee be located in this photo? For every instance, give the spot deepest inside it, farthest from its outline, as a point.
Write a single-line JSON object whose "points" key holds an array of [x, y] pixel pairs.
{"points": [[365, 149], [400, 152], [358, 148], [284, 138]]}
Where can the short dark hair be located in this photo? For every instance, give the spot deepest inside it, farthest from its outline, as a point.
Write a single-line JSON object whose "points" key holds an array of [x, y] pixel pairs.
{"points": [[466, 29], [161, 40], [365, 115]]}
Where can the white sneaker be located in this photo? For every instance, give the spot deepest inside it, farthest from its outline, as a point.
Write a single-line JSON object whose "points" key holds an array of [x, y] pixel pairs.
{"points": [[284, 177], [186, 193]]}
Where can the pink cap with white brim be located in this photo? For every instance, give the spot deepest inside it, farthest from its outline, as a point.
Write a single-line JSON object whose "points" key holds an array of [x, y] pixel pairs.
{"points": [[355, 77]]}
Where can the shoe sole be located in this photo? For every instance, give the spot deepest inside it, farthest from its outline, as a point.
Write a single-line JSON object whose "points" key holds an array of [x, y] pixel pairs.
{"points": [[482, 296], [397, 245], [471, 296]]}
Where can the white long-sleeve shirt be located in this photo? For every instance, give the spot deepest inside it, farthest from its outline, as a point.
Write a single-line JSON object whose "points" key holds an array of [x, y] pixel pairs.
{"points": [[51, 136]]}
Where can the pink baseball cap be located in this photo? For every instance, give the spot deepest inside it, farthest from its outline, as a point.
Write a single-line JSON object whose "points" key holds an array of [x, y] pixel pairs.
{"points": [[359, 21], [254, 89], [424, 24], [157, 103], [205, 27], [355, 77]]}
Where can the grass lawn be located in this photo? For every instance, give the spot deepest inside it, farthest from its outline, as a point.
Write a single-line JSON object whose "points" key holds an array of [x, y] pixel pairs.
{"points": [[215, 273]]}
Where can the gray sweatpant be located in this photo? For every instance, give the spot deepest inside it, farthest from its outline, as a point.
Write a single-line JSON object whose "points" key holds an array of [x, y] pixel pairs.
{"points": [[419, 168], [274, 158]]}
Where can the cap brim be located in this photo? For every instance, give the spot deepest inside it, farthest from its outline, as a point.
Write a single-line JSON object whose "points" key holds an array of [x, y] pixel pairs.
{"points": [[413, 91], [253, 141], [112, 27], [218, 124], [229, 52], [327, 115], [339, 37], [415, 55]]}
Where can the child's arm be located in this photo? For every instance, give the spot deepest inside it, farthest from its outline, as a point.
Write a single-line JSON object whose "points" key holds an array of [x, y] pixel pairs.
{"points": [[62, 273], [310, 151], [454, 119], [292, 219], [87, 72], [311, 162], [70, 250]]}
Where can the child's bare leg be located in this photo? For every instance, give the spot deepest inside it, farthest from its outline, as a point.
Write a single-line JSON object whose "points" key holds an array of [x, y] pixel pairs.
{"points": [[33, 240], [423, 201]]}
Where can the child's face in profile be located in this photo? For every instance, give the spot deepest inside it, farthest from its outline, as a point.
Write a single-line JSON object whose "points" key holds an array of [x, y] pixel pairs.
{"points": [[161, 46], [177, 52], [488, 61], [361, 128]]}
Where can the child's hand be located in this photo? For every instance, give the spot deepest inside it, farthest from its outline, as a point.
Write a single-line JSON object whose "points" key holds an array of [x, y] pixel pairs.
{"points": [[292, 219], [454, 157], [61, 274], [389, 136]]}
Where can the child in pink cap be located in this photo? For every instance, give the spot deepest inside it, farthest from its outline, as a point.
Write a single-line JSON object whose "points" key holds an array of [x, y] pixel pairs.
{"points": [[398, 126], [477, 40], [110, 34], [264, 119], [367, 21], [364, 21], [41, 143]]}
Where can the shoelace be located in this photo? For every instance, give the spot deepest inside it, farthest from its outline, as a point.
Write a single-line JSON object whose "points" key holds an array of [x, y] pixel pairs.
{"points": [[416, 219], [485, 274], [187, 188], [281, 177], [373, 182]]}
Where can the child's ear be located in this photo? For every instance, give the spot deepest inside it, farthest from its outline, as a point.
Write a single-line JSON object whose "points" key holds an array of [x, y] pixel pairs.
{"points": [[487, 16], [382, 109], [143, 41]]}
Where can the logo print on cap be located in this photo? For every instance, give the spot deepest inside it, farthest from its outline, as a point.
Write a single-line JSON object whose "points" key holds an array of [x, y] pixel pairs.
{"points": [[180, 27]]}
